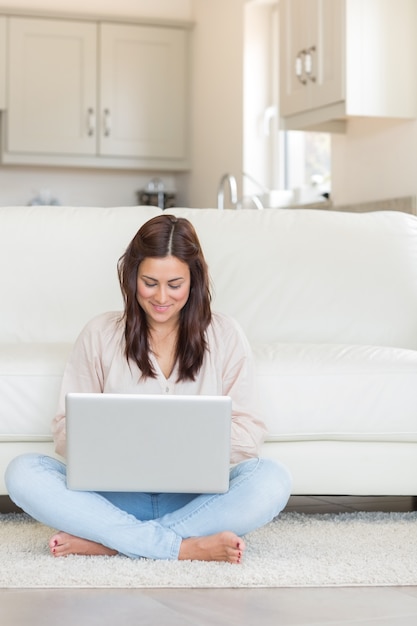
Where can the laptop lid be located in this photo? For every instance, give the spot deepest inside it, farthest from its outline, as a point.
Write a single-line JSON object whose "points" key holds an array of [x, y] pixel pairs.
{"points": [[148, 443]]}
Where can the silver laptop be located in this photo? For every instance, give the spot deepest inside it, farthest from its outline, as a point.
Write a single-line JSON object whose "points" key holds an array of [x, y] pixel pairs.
{"points": [[148, 443]]}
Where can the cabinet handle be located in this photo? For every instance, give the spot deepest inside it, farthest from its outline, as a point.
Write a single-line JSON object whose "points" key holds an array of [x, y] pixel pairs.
{"points": [[300, 66], [107, 122], [308, 63], [91, 122]]}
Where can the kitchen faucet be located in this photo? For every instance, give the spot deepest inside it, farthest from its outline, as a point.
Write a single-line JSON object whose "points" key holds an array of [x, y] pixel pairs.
{"points": [[232, 188]]}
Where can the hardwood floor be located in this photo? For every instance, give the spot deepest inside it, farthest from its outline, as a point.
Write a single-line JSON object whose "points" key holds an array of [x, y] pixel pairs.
{"points": [[356, 606]]}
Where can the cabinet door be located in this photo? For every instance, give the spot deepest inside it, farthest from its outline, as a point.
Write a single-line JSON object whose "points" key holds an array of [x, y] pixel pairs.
{"points": [[295, 17], [327, 76], [142, 91], [52, 87], [312, 49]]}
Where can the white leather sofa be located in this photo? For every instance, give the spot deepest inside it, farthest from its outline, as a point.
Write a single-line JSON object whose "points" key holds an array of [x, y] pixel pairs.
{"points": [[327, 299]]}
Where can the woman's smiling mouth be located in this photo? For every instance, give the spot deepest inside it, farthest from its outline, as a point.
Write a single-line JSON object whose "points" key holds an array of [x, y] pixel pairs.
{"points": [[161, 308]]}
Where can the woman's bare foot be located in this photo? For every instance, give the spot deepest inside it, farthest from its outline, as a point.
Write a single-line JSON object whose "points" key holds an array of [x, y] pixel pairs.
{"points": [[225, 546], [63, 544]]}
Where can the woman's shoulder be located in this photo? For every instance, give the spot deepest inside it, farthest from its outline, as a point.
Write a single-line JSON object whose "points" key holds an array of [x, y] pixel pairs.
{"points": [[225, 324], [105, 319], [108, 322], [227, 336]]}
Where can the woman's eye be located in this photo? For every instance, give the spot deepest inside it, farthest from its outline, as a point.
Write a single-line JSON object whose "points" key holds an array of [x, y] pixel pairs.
{"points": [[175, 286], [149, 284]]}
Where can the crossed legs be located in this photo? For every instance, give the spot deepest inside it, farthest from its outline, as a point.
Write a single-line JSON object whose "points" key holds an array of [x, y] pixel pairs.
{"points": [[161, 526]]}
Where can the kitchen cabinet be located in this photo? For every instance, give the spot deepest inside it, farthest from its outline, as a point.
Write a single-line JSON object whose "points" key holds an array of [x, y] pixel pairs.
{"points": [[52, 87], [343, 58], [142, 91], [96, 94]]}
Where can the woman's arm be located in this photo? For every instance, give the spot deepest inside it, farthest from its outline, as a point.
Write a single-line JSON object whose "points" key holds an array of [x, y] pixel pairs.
{"points": [[83, 374], [239, 382]]}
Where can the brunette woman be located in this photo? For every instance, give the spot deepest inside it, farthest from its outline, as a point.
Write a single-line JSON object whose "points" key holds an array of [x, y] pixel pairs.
{"points": [[167, 340]]}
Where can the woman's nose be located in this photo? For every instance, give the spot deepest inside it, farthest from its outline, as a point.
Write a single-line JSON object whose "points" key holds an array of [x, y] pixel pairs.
{"points": [[161, 294]]}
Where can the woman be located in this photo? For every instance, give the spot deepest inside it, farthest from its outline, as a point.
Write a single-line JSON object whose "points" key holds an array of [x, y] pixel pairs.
{"points": [[166, 341]]}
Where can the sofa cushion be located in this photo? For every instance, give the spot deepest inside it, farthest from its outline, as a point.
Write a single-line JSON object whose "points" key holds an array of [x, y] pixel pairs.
{"points": [[61, 262], [342, 392], [311, 276], [30, 379]]}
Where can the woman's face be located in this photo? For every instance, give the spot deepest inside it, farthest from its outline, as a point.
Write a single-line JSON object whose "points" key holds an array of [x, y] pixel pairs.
{"points": [[163, 287]]}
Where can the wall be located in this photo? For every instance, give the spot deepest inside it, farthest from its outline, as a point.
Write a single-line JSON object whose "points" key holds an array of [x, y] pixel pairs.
{"points": [[261, 95], [18, 185], [74, 187], [374, 160], [216, 98]]}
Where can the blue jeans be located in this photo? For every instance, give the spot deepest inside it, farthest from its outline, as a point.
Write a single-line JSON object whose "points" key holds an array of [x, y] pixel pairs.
{"points": [[144, 524]]}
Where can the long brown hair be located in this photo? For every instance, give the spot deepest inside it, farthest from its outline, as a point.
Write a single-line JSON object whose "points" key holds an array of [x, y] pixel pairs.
{"points": [[162, 236]]}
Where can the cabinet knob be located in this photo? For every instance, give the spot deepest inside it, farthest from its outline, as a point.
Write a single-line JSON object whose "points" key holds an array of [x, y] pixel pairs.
{"points": [[91, 122], [106, 122], [300, 66], [308, 63]]}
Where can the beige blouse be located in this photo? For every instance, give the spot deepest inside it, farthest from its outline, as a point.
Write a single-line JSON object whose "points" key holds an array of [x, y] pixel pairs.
{"points": [[97, 364]]}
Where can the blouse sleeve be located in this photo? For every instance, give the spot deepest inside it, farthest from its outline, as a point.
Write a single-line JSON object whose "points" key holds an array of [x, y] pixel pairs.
{"points": [[83, 373], [239, 382]]}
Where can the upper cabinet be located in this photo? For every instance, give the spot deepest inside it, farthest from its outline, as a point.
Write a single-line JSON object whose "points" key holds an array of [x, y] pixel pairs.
{"points": [[96, 94], [342, 58], [142, 91], [52, 87]]}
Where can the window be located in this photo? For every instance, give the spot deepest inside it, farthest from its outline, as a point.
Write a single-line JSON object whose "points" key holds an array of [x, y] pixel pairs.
{"points": [[306, 163], [294, 166]]}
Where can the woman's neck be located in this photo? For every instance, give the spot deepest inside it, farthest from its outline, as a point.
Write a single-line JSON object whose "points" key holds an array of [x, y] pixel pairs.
{"points": [[161, 333], [163, 344]]}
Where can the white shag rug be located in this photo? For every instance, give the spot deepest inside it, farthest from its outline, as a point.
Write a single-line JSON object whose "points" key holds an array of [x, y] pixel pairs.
{"points": [[295, 550]]}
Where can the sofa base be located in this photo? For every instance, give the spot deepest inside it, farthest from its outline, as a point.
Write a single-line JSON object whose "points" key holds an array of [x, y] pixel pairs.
{"points": [[339, 467], [348, 467]]}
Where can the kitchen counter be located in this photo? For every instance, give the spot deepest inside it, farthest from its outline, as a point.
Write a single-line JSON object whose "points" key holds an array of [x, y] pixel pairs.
{"points": [[406, 204]]}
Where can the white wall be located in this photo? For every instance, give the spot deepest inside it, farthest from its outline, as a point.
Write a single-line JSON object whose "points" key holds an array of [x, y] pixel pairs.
{"points": [[260, 96], [74, 187], [375, 160], [216, 98]]}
